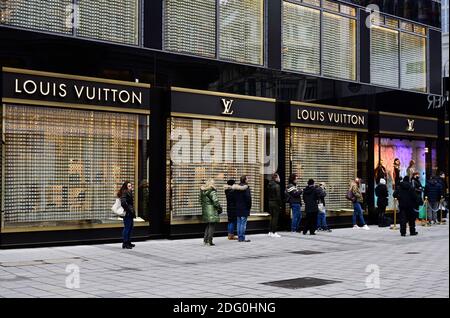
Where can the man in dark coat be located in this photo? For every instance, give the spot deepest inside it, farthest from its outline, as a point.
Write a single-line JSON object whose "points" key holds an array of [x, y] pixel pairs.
{"points": [[382, 194], [275, 203], [311, 198], [243, 207], [231, 209], [434, 193], [407, 201]]}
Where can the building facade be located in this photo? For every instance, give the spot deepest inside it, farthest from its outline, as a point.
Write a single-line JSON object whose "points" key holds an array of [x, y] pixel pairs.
{"points": [[167, 94]]}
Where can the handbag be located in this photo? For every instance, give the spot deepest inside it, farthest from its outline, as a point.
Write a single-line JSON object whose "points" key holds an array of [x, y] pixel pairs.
{"points": [[118, 209]]}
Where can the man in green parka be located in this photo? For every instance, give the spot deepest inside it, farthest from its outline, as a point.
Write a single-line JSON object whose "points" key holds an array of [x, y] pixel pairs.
{"points": [[210, 210]]}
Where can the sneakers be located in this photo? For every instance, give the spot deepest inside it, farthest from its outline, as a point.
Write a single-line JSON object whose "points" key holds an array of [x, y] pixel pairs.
{"points": [[414, 233], [270, 234], [356, 227], [365, 227], [231, 237], [276, 235]]}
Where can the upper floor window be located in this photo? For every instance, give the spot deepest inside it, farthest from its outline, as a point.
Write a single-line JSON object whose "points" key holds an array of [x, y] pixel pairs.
{"points": [[398, 54], [304, 50], [112, 20], [227, 29]]}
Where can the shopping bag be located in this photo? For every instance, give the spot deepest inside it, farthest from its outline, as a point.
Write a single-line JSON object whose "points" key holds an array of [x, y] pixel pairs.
{"points": [[423, 212]]}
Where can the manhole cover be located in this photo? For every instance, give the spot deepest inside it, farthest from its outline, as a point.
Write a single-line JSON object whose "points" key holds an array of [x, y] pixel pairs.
{"points": [[306, 252], [303, 282], [413, 253]]}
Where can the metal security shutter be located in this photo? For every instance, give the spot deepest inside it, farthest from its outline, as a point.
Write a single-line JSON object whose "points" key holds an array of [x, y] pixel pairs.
{"points": [[325, 156], [109, 20], [65, 165], [413, 65], [339, 46], [384, 56], [190, 27], [47, 15], [301, 38], [188, 176], [241, 29]]}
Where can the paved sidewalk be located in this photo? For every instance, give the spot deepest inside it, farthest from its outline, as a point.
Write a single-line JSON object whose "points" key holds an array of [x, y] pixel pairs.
{"points": [[407, 267]]}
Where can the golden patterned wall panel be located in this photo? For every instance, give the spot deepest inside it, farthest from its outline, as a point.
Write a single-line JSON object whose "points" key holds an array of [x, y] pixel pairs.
{"points": [[188, 176], [65, 165], [326, 156]]}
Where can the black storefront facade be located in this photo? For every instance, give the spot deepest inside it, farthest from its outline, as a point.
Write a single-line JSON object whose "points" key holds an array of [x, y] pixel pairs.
{"points": [[192, 94]]}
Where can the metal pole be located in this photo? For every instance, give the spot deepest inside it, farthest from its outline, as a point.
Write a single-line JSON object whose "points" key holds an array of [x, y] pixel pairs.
{"points": [[426, 213], [394, 227]]}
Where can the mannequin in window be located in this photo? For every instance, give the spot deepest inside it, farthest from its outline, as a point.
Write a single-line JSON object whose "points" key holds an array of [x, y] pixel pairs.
{"points": [[380, 172], [396, 178], [411, 169]]}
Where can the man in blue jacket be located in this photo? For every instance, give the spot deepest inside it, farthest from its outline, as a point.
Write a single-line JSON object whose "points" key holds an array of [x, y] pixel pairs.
{"points": [[243, 206]]}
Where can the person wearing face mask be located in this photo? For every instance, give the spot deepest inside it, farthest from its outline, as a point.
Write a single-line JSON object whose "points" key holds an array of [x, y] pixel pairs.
{"points": [[294, 198], [382, 194], [275, 204]]}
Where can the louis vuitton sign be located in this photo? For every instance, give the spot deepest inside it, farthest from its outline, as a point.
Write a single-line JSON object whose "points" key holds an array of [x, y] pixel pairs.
{"points": [[22, 85], [407, 125], [328, 116]]}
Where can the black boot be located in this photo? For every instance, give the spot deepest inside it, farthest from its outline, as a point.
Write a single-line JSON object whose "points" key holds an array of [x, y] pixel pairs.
{"points": [[126, 246]]}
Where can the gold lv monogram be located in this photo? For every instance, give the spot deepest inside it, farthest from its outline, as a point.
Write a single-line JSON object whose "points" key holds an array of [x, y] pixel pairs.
{"points": [[227, 104], [411, 125]]}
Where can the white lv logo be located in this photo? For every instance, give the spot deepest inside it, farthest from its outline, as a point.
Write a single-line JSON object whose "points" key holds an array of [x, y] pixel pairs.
{"points": [[410, 125], [227, 105]]}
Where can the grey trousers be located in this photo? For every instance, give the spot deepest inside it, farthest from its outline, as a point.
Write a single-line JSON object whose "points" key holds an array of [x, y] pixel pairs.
{"points": [[209, 232], [432, 211]]}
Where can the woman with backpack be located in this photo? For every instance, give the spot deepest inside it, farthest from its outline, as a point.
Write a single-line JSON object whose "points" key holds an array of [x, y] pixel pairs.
{"points": [[354, 195]]}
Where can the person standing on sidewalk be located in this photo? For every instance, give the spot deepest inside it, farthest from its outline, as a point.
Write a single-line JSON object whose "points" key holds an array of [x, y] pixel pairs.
{"points": [[434, 192], [275, 203], [210, 210], [407, 201], [243, 207], [231, 209], [322, 216], [125, 195], [311, 198], [418, 190], [382, 194], [294, 198], [357, 199]]}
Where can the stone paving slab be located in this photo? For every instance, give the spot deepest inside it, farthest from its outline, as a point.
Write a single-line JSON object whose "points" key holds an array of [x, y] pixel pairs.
{"points": [[368, 264]]}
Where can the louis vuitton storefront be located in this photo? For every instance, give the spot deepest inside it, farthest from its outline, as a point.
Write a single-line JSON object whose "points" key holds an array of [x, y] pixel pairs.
{"points": [[329, 145], [219, 136], [409, 139], [68, 143]]}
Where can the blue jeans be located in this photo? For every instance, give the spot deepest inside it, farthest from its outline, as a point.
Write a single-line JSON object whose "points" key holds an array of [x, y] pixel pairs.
{"points": [[358, 212], [231, 226], [296, 217], [241, 227], [128, 227], [322, 221]]}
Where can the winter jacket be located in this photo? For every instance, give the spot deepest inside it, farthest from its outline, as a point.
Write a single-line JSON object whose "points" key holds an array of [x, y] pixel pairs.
{"points": [[274, 193], [311, 197], [433, 190], [418, 190], [230, 193], [127, 203], [382, 194], [356, 193], [406, 196], [322, 194], [243, 201], [293, 194], [210, 204]]}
